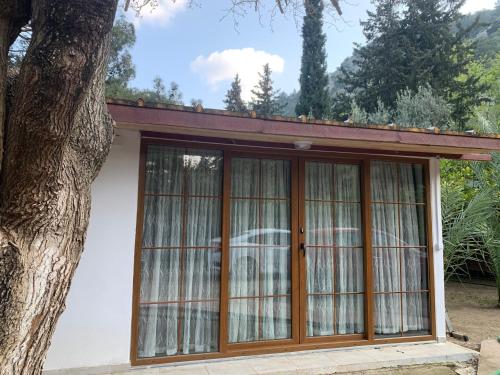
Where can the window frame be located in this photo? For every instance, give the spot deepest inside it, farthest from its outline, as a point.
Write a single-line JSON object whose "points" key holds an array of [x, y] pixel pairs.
{"points": [[298, 341]]}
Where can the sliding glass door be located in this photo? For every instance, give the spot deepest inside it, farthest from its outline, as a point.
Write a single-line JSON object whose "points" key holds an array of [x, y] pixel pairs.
{"points": [[180, 253], [260, 292], [334, 257], [239, 251]]}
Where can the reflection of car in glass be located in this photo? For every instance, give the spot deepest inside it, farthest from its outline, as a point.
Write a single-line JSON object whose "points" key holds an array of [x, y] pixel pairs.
{"points": [[245, 253]]}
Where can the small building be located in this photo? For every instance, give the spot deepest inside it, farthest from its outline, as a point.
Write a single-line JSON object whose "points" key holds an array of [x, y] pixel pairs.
{"points": [[216, 234]]}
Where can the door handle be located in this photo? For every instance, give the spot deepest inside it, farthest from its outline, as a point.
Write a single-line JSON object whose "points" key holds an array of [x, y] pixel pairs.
{"points": [[303, 248]]}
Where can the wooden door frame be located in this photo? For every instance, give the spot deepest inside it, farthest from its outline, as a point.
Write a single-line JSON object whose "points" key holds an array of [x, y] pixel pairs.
{"points": [[298, 342]]}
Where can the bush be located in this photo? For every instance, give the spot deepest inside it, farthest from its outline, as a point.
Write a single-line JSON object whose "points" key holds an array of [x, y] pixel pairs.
{"points": [[422, 109]]}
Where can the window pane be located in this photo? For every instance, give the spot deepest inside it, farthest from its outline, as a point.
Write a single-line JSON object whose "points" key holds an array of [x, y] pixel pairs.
{"points": [[348, 224], [275, 223], [275, 270], [201, 330], [275, 178], [349, 314], [160, 275], [349, 270], [162, 224], [244, 272], [319, 223], [384, 181], [416, 318], [319, 315], [385, 225], [386, 270], [387, 311], [203, 222], [414, 269], [319, 269], [204, 171], [245, 177], [346, 178], [411, 183], [276, 318], [319, 181], [245, 222], [243, 320], [201, 274], [412, 225], [164, 170], [157, 330]]}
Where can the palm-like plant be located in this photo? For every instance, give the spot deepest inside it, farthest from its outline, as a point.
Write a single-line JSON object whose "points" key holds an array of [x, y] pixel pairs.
{"points": [[467, 233]]}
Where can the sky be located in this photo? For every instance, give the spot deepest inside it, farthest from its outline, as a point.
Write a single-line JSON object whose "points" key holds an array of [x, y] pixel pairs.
{"points": [[201, 44]]}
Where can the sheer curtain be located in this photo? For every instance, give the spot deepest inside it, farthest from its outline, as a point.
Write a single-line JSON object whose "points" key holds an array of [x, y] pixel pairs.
{"points": [[259, 270], [334, 255], [180, 259], [399, 249]]}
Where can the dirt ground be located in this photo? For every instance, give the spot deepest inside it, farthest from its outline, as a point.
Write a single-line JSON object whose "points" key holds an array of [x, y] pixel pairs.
{"points": [[473, 311]]}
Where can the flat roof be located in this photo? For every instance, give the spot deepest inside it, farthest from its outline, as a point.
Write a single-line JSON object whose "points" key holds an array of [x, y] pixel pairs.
{"points": [[197, 123]]}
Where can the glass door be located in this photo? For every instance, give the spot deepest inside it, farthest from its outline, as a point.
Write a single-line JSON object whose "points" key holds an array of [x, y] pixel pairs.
{"points": [[260, 250], [332, 260]]}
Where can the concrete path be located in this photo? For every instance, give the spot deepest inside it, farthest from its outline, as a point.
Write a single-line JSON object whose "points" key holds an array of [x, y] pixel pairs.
{"points": [[328, 361], [489, 361]]}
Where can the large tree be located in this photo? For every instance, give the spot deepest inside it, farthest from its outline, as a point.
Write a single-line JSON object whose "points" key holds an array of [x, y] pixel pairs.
{"points": [[413, 43], [265, 100], [121, 69], [233, 100], [55, 133], [58, 134], [313, 78]]}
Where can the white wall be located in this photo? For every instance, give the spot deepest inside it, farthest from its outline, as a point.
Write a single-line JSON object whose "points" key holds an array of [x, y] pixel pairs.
{"points": [[438, 248], [95, 328]]}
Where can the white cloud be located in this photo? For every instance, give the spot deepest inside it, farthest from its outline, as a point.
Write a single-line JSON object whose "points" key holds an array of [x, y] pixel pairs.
{"points": [[157, 12], [472, 6], [247, 62]]}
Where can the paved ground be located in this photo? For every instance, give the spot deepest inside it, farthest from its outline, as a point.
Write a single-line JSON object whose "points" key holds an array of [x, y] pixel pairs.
{"points": [[412, 370], [333, 361], [489, 362]]}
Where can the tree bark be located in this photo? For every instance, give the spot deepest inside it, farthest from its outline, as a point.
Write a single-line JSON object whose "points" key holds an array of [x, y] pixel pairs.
{"points": [[58, 134]]}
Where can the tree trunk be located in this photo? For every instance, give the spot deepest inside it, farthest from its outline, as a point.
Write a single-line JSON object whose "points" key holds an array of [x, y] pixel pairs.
{"points": [[58, 134]]}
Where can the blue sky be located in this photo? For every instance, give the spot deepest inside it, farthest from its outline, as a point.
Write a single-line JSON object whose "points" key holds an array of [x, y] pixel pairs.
{"points": [[201, 48]]}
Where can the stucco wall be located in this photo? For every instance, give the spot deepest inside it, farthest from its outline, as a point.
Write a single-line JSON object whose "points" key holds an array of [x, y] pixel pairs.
{"points": [[438, 248], [95, 328]]}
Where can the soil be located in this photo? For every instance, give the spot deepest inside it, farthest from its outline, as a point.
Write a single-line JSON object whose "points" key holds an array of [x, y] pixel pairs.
{"points": [[473, 312]]}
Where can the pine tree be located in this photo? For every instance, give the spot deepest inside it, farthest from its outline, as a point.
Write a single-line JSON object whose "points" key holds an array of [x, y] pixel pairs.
{"points": [[414, 43], [378, 72], [265, 101], [233, 99], [313, 77]]}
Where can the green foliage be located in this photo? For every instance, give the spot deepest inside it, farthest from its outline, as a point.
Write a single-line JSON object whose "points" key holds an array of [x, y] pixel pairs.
{"points": [[467, 233], [313, 78], [422, 109], [358, 115], [381, 116], [233, 100], [265, 101], [378, 72], [121, 69], [412, 43]]}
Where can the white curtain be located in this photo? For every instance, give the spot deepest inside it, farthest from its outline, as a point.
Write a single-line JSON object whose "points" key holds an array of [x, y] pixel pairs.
{"points": [[334, 255], [259, 270], [399, 252], [180, 259]]}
